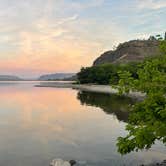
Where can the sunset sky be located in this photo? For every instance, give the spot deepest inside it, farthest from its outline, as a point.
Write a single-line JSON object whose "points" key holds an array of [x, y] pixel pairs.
{"points": [[49, 36]]}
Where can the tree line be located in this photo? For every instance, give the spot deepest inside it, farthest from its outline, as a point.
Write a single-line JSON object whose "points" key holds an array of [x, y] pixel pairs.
{"points": [[105, 74]]}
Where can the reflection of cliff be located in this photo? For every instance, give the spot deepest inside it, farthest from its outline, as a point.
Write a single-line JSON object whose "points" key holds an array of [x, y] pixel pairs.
{"points": [[111, 104]]}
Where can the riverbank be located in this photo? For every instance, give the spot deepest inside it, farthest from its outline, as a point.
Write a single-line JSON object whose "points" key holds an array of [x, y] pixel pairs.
{"points": [[90, 88], [60, 162]]}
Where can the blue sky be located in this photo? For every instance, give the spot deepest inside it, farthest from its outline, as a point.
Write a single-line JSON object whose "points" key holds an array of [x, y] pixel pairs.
{"points": [[47, 36]]}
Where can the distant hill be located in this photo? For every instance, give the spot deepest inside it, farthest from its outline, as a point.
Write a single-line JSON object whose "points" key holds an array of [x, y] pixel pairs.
{"points": [[9, 78], [135, 50], [72, 78], [56, 76]]}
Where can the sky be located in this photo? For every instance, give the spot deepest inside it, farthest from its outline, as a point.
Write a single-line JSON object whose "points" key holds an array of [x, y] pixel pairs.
{"points": [[50, 36]]}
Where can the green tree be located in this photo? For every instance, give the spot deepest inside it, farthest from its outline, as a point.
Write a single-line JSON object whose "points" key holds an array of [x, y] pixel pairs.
{"points": [[147, 121], [106, 73], [163, 46]]}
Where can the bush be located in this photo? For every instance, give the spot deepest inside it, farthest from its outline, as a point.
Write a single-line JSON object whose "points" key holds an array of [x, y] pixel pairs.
{"points": [[106, 73]]}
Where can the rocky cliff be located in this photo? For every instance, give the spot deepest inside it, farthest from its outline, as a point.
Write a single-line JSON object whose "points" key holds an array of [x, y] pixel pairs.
{"points": [[135, 50]]}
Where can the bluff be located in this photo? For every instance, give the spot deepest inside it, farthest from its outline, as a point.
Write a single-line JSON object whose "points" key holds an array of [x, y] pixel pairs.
{"points": [[131, 51]]}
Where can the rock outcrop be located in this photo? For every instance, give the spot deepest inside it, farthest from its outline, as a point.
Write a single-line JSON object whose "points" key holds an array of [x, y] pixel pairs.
{"points": [[60, 162], [135, 50]]}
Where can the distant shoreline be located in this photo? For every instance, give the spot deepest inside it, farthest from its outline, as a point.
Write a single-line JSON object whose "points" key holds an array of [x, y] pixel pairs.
{"points": [[90, 88]]}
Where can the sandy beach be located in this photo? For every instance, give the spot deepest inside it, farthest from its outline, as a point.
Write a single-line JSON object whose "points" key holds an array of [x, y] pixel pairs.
{"points": [[90, 88]]}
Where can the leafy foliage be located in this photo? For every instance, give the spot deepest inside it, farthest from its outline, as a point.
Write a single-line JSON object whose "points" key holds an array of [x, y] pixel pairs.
{"points": [[147, 122], [105, 74], [163, 46]]}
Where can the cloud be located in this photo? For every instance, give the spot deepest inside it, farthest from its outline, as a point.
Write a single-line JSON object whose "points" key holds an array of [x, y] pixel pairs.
{"points": [[80, 5], [63, 35], [45, 42], [151, 4]]}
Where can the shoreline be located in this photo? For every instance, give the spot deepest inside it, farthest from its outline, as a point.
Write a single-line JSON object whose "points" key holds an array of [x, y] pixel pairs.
{"points": [[107, 89]]}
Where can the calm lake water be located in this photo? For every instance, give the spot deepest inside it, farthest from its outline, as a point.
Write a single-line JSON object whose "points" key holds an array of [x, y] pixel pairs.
{"points": [[40, 124]]}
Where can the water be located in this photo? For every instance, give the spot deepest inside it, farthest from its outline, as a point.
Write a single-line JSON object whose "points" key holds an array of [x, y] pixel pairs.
{"points": [[40, 124]]}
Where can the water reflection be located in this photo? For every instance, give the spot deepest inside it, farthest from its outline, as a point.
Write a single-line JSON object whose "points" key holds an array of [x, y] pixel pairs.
{"points": [[109, 103], [8, 83], [39, 124]]}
